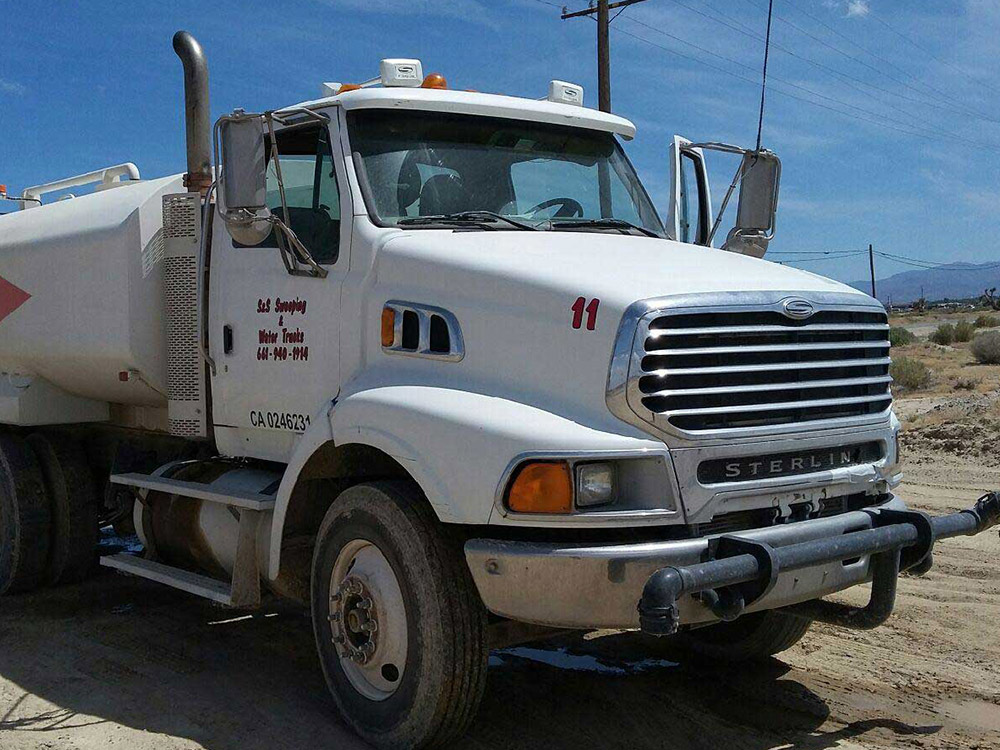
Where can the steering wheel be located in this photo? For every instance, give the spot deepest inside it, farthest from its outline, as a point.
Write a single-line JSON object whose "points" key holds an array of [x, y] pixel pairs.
{"points": [[569, 208]]}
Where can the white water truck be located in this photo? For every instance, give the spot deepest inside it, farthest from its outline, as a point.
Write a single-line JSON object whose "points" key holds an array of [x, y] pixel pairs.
{"points": [[430, 362]]}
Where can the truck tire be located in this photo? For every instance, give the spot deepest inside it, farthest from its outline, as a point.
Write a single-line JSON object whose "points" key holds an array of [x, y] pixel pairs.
{"points": [[24, 518], [399, 626], [73, 506], [749, 638]]}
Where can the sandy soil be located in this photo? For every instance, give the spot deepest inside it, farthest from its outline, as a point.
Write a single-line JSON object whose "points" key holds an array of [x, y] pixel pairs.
{"points": [[119, 662]]}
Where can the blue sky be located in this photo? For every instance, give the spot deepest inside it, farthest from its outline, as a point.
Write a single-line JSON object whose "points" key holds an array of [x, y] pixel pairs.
{"points": [[899, 147]]}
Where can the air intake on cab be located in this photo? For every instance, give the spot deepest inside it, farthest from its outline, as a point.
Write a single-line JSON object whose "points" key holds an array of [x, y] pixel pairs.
{"points": [[186, 405]]}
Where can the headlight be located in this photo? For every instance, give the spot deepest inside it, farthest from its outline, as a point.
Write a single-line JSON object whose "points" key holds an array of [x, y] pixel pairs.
{"points": [[595, 484], [552, 485]]}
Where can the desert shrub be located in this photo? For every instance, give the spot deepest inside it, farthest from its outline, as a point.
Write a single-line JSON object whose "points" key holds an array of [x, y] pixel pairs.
{"points": [[899, 336], [966, 384], [911, 374], [944, 335], [964, 331], [986, 348], [987, 321]]}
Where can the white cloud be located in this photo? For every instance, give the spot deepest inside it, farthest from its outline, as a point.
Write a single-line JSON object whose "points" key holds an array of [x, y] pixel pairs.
{"points": [[850, 8], [857, 8], [11, 87]]}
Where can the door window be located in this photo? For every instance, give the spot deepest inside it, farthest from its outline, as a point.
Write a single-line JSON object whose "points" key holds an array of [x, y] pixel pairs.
{"points": [[311, 192], [691, 225]]}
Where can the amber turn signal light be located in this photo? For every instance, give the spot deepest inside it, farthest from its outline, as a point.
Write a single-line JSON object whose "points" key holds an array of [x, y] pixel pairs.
{"points": [[388, 326], [541, 487]]}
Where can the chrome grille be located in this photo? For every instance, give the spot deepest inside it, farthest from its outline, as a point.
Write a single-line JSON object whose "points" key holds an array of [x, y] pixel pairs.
{"points": [[703, 371]]}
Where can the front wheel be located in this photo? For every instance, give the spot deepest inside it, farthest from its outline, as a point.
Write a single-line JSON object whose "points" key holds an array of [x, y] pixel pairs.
{"points": [[399, 626]]}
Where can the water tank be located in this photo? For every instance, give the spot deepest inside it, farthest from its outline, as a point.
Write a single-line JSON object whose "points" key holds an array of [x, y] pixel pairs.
{"points": [[82, 300]]}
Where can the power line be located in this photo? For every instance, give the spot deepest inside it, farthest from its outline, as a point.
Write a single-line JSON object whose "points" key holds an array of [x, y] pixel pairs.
{"points": [[901, 35], [814, 252], [929, 265], [866, 116], [929, 133], [810, 258], [849, 56], [851, 81]]}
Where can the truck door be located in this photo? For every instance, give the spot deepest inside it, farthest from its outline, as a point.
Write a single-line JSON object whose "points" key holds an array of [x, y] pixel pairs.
{"points": [[689, 215], [274, 336]]}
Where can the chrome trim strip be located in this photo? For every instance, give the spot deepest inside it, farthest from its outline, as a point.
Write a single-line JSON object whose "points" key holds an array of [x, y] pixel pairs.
{"points": [[757, 348], [821, 328], [753, 408], [824, 365], [772, 386]]}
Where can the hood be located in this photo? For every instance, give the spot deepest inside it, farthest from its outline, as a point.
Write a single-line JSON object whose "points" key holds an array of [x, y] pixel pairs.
{"points": [[516, 296], [618, 269]]}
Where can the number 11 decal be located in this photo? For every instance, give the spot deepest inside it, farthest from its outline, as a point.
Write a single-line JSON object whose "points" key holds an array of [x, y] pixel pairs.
{"points": [[580, 307]]}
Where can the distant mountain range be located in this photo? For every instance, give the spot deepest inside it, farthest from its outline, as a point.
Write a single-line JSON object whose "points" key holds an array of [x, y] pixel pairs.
{"points": [[951, 281]]}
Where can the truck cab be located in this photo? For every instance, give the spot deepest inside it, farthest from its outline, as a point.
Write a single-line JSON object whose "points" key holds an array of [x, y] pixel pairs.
{"points": [[430, 362]]}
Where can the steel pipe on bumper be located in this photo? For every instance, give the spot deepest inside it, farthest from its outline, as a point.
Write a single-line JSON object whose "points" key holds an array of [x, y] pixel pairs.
{"points": [[740, 570]]}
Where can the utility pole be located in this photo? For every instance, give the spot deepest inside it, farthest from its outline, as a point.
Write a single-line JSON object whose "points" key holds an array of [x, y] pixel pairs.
{"points": [[871, 265], [603, 45]]}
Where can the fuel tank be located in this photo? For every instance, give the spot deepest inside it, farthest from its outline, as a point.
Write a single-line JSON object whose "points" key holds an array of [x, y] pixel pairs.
{"points": [[81, 295], [202, 536]]}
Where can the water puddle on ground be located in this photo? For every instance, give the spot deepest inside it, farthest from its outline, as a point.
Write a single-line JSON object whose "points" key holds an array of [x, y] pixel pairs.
{"points": [[562, 658]]}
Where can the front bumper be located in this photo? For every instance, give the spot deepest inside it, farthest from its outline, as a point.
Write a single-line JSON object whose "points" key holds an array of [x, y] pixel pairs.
{"points": [[591, 587]]}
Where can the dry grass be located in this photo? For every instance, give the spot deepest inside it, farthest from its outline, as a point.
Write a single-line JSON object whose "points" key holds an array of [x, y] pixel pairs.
{"points": [[952, 367]]}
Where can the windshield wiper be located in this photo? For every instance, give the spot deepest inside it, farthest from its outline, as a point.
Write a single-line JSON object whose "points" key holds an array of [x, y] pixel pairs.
{"points": [[610, 223], [480, 218]]}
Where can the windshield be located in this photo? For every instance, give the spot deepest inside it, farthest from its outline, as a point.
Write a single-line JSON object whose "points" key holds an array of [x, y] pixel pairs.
{"points": [[415, 165]]}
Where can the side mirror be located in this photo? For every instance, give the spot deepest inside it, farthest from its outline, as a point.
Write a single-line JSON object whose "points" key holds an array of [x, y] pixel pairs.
{"points": [[755, 217], [242, 193]]}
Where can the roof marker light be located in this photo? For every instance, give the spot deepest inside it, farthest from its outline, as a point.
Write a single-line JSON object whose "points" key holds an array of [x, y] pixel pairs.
{"points": [[401, 72], [434, 81], [565, 93]]}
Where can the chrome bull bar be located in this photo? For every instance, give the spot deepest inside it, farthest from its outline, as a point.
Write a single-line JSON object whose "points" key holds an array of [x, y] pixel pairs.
{"points": [[738, 571]]}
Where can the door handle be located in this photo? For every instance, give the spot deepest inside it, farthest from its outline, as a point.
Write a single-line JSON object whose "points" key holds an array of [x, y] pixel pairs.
{"points": [[227, 339]]}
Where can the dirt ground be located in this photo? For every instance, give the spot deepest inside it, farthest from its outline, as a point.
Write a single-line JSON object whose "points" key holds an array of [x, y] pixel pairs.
{"points": [[120, 662]]}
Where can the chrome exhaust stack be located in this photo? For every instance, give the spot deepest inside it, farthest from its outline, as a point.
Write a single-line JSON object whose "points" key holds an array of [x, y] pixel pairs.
{"points": [[197, 113]]}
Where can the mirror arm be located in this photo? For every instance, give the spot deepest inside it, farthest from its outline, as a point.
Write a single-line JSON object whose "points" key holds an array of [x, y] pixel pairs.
{"points": [[737, 178], [289, 256], [284, 116], [716, 146]]}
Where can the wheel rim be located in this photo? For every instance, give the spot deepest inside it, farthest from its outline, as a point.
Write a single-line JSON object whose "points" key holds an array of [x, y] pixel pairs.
{"points": [[368, 620]]}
